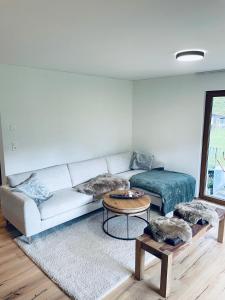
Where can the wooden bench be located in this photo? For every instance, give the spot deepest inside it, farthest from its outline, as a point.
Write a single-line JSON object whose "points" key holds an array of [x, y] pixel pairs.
{"points": [[166, 252]]}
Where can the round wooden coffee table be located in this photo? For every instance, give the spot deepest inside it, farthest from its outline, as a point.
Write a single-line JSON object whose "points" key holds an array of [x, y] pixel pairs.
{"points": [[124, 207]]}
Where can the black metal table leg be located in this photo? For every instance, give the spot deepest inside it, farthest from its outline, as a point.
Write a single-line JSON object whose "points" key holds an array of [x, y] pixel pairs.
{"points": [[107, 217], [127, 226], [106, 222]]}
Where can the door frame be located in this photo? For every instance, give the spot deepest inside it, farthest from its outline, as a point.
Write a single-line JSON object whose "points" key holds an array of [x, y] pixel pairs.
{"points": [[205, 144]]}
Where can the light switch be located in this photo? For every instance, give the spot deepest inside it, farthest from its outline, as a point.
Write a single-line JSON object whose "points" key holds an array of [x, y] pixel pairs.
{"points": [[13, 147]]}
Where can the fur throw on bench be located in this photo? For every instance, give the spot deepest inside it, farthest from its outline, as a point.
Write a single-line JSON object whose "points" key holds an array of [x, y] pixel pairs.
{"points": [[196, 211], [102, 184], [163, 228]]}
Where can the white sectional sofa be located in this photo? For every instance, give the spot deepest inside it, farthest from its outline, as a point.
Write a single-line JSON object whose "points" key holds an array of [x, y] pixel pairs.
{"points": [[66, 203]]}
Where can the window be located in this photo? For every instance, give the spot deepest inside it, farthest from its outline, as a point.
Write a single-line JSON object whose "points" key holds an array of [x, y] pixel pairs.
{"points": [[212, 181]]}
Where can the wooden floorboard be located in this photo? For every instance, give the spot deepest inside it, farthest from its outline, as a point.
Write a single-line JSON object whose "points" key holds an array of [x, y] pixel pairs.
{"points": [[198, 274], [20, 278]]}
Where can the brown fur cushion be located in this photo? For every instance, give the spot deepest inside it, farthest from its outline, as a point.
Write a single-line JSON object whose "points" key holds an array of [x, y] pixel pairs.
{"points": [[163, 228], [102, 184], [197, 210]]}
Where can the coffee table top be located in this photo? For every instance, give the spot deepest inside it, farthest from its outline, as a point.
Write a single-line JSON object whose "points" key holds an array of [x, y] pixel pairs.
{"points": [[126, 206]]}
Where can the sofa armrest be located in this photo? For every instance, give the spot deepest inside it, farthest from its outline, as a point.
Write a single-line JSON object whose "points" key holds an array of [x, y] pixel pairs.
{"points": [[21, 211]]}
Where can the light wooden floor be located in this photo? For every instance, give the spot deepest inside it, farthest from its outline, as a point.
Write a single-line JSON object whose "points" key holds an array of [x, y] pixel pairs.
{"points": [[198, 275]]}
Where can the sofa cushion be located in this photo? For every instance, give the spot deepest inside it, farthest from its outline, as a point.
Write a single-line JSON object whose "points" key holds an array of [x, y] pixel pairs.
{"points": [[16, 179], [54, 178], [85, 170], [127, 175], [63, 201], [119, 162]]}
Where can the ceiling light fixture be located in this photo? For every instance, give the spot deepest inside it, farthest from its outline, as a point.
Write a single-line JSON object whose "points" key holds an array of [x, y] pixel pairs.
{"points": [[190, 55]]}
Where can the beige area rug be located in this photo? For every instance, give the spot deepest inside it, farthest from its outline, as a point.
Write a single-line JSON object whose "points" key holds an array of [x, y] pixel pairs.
{"points": [[80, 258]]}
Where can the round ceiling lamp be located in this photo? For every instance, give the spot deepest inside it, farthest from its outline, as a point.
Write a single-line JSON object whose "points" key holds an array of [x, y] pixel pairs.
{"points": [[190, 55]]}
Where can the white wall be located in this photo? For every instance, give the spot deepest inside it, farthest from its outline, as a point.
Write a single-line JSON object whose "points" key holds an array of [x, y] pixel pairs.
{"points": [[57, 117], [2, 160], [168, 116]]}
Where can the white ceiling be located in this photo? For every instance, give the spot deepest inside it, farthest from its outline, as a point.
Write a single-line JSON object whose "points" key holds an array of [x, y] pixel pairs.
{"points": [[129, 39]]}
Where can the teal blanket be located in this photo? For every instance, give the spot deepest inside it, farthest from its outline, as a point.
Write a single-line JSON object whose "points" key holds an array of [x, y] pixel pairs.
{"points": [[173, 187]]}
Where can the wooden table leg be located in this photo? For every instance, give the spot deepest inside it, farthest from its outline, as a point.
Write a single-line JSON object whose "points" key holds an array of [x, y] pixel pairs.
{"points": [[220, 237], [139, 261], [166, 270]]}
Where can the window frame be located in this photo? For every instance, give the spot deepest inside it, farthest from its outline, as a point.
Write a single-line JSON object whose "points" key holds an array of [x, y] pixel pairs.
{"points": [[205, 144]]}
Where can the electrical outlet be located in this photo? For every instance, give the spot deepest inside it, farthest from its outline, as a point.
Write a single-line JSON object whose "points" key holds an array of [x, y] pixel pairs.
{"points": [[12, 127]]}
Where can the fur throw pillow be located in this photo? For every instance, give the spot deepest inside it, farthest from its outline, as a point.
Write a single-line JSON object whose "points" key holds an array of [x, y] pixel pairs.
{"points": [[195, 211], [163, 228], [141, 161], [102, 184]]}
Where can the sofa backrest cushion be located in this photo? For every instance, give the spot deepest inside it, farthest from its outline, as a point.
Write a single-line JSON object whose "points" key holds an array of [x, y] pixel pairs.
{"points": [[54, 178], [85, 170], [119, 163]]}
